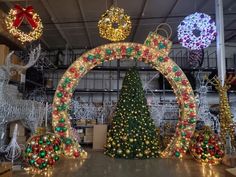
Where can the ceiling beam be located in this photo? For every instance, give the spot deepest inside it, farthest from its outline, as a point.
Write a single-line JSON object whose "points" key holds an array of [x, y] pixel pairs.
{"points": [[144, 5], [232, 36], [84, 22], [46, 45], [229, 5], [54, 19], [170, 11], [133, 19]]}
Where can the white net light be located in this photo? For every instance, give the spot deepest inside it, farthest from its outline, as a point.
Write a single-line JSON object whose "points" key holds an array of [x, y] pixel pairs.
{"points": [[13, 107], [204, 113]]}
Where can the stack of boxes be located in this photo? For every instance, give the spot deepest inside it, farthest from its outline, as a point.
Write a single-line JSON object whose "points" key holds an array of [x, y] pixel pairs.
{"points": [[81, 122], [4, 51], [81, 134], [21, 138], [85, 129], [88, 138], [91, 122]]}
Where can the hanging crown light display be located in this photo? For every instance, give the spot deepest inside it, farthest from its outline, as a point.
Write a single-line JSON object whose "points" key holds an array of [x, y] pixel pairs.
{"points": [[15, 18], [114, 24]]}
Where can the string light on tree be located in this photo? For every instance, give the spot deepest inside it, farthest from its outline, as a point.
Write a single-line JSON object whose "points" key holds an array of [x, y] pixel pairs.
{"points": [[133, 133], [15, 18], [226, 117], [196, 31]]}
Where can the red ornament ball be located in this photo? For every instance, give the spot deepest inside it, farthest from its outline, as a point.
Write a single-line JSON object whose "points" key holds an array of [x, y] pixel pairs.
{"points": [[206, 147], [41, 150]]}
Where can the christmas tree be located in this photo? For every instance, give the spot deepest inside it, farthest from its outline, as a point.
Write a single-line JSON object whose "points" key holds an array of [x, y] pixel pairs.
{"points": [[133, 133]]}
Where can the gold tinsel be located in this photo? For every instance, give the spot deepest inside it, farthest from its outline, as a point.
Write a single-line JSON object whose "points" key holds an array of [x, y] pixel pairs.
{"points": [[226, 121], [114, 24]]}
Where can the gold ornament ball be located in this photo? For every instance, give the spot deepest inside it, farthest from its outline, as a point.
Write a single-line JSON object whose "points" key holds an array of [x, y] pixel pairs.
{"points": [[147, 142], [131, 140], [140, 155], [119, 151], [127, 151], [124, 138]]}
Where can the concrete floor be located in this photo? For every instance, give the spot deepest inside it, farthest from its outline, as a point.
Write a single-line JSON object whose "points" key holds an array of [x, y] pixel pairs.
{"points": [[100, 165]]}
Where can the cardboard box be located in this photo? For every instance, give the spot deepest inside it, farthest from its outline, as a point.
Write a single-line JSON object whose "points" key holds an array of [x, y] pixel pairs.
{"points": [[16, 60], [49, 83], [99, 136], [81, 135], [80, 130], [4, 50], [21, 129], [5, 169], [21, 140], [230, 172], [81, 122], [88, 138], [91, 122], [88, 131]]}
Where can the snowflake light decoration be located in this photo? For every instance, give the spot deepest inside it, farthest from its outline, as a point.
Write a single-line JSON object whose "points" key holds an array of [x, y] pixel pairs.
{"points": [[196, 31]]}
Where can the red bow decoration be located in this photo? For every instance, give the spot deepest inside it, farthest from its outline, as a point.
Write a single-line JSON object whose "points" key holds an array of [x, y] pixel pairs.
{"points": [[24, 13]]}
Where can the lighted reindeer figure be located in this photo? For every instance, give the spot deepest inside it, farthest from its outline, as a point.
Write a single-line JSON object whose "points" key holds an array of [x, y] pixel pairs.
{"points": [[13, 108], [204, 113], [226, 117]]}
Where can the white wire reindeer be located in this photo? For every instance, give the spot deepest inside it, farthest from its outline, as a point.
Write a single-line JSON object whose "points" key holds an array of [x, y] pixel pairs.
{"points": [[204, 113], [13, 108]]}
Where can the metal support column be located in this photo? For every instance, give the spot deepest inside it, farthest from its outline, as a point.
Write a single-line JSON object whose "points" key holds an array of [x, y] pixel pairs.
{"points": [[220, 41]]}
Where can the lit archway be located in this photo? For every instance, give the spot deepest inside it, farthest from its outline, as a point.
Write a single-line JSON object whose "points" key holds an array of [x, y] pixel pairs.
{"points": [[158, 60]]}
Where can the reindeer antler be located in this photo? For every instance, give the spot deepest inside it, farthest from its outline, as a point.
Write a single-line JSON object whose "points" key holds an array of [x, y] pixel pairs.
{"points": [[214, 81], [230, 79], [33, 57]]}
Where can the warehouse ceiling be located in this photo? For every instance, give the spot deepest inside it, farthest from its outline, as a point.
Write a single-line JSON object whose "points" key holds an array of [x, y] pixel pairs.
{"points": [[73, 23]]}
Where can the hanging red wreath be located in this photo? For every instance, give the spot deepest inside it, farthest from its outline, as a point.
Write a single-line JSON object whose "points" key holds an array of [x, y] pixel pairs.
{"points": [[15, 18]]}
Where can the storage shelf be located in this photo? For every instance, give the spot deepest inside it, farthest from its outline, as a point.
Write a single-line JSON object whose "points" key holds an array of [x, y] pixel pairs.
{"points": [[114, 91], [115, 68]]}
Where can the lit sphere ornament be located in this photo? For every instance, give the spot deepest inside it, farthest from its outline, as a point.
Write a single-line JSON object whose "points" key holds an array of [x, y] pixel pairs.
{"points": [[15, 18], [196, 31], [114, 24], [42, 151], [206, 147]]}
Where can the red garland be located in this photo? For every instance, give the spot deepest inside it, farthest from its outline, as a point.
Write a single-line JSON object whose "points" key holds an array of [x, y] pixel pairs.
{"points": [[26, 13]]}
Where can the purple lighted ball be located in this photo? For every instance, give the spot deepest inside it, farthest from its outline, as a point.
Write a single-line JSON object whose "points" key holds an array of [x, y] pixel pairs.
{"points": [[196, 31]]}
